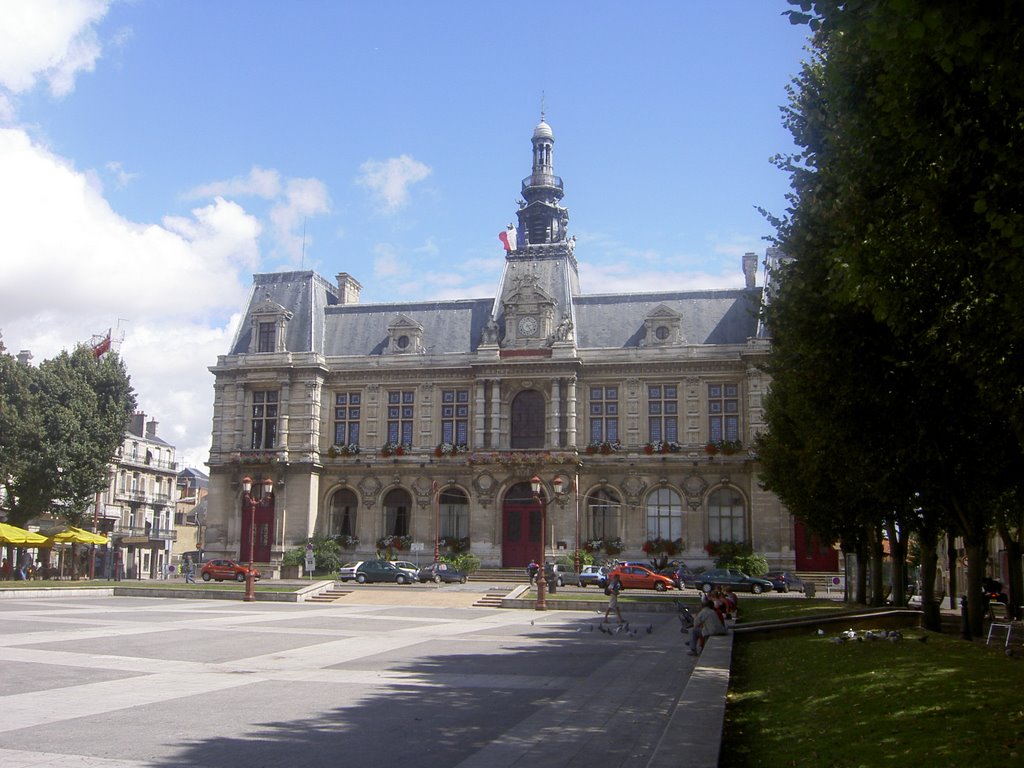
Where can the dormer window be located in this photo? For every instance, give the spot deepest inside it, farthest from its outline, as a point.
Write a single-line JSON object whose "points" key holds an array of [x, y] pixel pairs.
{"points": [[269, 320], [662, 327], [405, 336]]}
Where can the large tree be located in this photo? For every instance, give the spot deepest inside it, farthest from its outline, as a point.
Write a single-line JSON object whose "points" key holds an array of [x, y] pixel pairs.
{"points": [[61, 426]]}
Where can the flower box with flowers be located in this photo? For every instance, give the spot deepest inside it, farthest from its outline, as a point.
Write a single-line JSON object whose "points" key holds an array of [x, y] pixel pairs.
{"points": [[662, 446], [522, 458], [660, 546], [397, 543], [449, 449], [346, 541], [395, 449], [352, 449], [454, 544], [604, 448]]}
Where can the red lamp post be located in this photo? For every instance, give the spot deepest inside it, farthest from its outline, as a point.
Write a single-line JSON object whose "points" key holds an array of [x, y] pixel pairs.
{"points": [[536, 485], [437, 520], [248, 505]]}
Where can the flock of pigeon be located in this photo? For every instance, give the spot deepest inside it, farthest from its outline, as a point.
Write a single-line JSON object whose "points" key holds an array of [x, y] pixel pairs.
{"points": [[619, 629], [851, 635]]}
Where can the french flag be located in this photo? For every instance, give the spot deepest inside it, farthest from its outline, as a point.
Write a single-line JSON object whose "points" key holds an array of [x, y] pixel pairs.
{"points": [[508, 238]]}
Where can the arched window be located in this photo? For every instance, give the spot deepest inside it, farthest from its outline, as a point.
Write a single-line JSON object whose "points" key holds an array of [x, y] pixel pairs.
{"points": [[454, 514], [726, 515], [664, 515], [397, 506], [528, 420], [342, 521], [603, 510]]}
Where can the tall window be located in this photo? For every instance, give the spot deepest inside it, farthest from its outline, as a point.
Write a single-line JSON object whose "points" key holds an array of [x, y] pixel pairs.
{"points": [[724, 412], [604, 414], [663, 413], [264, 420], [455, 416], [266, 337], [346, 418], [603, 507], [400, 416], [664, 515], [454, 514], [396, 513], [343, 514], [726, 516]]}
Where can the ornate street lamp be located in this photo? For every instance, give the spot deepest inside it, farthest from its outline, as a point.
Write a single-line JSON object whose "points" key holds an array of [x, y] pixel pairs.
{"points": [[536, 485], [249, 506]]}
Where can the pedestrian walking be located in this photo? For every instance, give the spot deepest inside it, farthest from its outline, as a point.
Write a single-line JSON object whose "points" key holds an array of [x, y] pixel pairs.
{"points": [[612, 590], [190, 571]]}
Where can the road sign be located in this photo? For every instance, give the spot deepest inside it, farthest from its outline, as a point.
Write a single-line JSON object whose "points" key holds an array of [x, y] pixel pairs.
{"points": [[416, 546]]}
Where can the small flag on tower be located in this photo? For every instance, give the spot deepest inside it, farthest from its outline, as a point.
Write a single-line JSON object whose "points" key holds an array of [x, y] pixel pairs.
{"points": [[508, 238]]}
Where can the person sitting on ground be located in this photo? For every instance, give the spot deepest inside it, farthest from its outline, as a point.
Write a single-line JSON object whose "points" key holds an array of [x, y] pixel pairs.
{"points": [[707, 622], [731, 602]]}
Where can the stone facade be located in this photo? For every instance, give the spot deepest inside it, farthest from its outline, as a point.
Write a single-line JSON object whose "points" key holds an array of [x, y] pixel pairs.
{"points": [[424, 421]]}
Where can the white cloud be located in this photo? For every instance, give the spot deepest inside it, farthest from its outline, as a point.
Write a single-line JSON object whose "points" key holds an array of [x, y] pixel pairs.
{"points": [[50, 41], [386, 263], [260, 182], [72, 267], [389, 180]]}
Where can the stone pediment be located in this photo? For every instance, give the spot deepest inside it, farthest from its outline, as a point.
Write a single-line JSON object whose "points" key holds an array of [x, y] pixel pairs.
{"points": [[663, 326]]}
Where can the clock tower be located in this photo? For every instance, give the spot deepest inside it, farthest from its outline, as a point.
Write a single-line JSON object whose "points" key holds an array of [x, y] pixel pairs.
{"points": [[541, 277]]}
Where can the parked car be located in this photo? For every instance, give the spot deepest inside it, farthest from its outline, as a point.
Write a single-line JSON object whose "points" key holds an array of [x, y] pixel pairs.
{"points": [[438, 572], [347, 572], [784, 581], [411, 568], [370, 571], [560, 575], [226, 570], [641, 577], [593, 574], [737, 580]]}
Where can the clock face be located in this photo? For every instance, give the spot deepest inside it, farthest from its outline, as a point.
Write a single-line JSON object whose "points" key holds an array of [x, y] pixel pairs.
{"points": [[527, 326]]}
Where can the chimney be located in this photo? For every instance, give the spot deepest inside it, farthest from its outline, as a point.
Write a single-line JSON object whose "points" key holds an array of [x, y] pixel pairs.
{"points": [[25, 356], [750, 269], [151, 428], [349, 288], [138, 424]]}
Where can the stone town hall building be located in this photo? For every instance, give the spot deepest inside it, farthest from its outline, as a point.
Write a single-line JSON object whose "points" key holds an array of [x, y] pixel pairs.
{"points": [[428, 419]]}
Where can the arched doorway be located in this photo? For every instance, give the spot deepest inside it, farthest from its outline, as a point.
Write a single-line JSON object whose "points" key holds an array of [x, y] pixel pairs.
{"points": [[527, 414], [342, 520], [520, 527]]}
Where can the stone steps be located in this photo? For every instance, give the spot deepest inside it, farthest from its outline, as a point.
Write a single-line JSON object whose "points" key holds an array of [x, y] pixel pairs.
{"points": [[329, 595], [510, 575]]}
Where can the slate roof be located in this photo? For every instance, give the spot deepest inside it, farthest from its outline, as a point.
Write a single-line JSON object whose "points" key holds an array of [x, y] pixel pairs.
{"points": [[603, 321]]}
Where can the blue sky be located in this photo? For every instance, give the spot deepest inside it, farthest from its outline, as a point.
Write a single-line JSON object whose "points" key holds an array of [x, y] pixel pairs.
{"points": [[154, 154]]}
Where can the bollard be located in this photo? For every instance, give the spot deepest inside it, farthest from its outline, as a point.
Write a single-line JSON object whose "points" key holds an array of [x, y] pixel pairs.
{"points": [[965, 624]]}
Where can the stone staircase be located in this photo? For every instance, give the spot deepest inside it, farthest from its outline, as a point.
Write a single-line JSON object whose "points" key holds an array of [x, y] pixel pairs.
{"points": [[492, 599], [502, 575], [329, 595]]}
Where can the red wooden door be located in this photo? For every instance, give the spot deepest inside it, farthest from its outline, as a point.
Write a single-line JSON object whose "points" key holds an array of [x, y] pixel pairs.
{"points": [[520, 541], [257, 522], [811, 554]]}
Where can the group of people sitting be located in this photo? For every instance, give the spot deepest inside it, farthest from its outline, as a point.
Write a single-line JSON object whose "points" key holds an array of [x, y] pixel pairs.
{"points": [[715, 608]]}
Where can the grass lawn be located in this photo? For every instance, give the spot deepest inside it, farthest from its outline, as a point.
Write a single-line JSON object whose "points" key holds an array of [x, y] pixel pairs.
{"points": [[808, 701]]}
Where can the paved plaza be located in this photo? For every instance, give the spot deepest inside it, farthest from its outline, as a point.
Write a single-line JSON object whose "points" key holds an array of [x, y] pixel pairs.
{"points": [[385, 676]]}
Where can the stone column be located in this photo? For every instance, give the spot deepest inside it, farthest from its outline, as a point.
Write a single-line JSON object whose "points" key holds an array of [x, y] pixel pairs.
{"points": [[570, 412], [556, 413]]}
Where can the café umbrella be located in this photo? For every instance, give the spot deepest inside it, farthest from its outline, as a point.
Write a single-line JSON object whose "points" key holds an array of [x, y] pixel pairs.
{"points": [[73, 535], [19, 537]]}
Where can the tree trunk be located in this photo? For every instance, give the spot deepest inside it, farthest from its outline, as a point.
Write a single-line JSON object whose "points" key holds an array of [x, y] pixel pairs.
{"points": [[876, 558], [932, 619], [951, 558], [898, 552], [862, 572], [975, 572]]}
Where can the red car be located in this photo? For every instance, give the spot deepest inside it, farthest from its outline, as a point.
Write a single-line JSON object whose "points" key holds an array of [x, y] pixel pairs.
{"points": [[226, 570], [641, 577]]}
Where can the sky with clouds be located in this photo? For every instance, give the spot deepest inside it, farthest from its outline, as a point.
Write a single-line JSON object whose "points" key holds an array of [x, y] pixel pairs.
{"points": [[155, 154]]}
